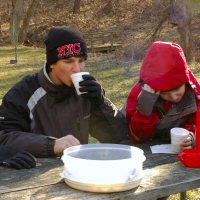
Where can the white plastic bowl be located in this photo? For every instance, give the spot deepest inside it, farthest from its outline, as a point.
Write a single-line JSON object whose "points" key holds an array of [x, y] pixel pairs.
{"points": [[103, 163]]}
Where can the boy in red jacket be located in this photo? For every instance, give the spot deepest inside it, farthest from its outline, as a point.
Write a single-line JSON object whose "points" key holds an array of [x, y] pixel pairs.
{"points": [[166, 95]]}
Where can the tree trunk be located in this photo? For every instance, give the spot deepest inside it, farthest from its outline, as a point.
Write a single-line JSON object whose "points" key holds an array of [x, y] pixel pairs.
{"points": [[17, 11], [26, 20], [186, 40], [181, 16], [77, 4]]}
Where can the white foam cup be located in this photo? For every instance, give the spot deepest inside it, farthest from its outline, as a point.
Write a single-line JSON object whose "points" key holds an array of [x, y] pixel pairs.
{"points": [[177, 137], [76, 78]]}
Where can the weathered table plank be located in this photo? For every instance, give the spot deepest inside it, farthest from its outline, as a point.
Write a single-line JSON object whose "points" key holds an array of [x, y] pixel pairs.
{"points": [[163, 175], [46, 173]]}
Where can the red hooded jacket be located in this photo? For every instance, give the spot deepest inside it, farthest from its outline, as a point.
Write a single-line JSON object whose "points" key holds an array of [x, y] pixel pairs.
{"points": [[164, 68]]}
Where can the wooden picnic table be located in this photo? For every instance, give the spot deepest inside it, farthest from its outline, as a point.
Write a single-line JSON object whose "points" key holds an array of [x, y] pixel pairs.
{"points": [[163, 175]]}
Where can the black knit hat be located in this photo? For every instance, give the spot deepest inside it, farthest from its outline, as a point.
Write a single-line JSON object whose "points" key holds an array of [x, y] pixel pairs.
{"points": [[64, 42]]}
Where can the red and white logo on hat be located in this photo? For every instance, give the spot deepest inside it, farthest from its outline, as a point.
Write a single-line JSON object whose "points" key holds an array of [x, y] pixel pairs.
{"points": [[69, 49]]}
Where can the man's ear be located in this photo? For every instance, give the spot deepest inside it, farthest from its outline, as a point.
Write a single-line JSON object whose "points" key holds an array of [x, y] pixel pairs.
{"points": [[52, 66]]}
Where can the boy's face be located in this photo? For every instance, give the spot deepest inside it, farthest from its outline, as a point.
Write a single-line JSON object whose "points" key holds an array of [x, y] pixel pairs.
{"points": [[62, 70], [174, 95]]}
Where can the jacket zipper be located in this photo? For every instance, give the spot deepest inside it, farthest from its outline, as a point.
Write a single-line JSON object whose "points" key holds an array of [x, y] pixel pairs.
{"points": [[162, 114]]}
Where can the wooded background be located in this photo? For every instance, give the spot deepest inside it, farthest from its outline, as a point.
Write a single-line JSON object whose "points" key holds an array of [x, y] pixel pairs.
{"points": [[136, 23]]}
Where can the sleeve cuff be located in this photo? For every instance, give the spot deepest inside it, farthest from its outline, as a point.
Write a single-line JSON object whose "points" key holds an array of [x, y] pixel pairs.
{"points": [[50, 146], [146, 101]]}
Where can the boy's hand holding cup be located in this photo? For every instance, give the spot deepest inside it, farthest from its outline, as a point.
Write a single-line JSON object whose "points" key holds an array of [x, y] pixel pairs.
{"points": [[88, 87], [76, 79], [180, 138]]}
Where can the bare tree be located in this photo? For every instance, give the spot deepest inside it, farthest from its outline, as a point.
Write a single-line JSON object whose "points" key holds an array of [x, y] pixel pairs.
{"points": [[181, 16], [26, 20], [77, 5], [178, 13], [20, 14], [16, 15]]}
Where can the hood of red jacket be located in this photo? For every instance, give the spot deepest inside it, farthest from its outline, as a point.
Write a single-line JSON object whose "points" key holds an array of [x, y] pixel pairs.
{"points": [[165, 66]]}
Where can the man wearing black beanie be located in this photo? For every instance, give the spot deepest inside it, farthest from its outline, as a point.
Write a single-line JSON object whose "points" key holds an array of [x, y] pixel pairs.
{"points": [[43, 114], [64, 42]]}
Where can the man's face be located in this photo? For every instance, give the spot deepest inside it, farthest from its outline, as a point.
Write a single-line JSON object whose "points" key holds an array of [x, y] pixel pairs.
{"points": [[174, 95], [62, 70]]}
